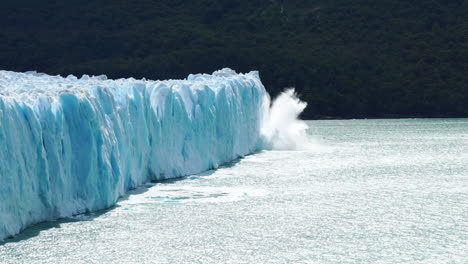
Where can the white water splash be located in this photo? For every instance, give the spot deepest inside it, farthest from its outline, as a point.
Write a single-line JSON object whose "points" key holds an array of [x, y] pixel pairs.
{"points": [[281, 128]]}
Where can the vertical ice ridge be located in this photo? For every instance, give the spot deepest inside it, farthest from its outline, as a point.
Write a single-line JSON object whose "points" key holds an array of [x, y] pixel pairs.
{"points": [[70, 145]]}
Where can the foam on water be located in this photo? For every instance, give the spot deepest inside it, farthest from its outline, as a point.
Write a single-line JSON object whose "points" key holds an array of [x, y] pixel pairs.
{"points": [[192, 194]]}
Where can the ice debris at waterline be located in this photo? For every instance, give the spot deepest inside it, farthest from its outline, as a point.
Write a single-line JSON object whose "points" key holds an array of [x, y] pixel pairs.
{"points": [[70, 145]]}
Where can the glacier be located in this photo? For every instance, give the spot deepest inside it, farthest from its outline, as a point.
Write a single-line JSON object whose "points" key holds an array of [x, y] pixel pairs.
{"points": [[72, 145]]}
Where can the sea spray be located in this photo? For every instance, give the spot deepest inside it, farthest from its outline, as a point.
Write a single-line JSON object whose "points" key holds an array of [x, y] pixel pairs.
{"points": [[281, 127]]}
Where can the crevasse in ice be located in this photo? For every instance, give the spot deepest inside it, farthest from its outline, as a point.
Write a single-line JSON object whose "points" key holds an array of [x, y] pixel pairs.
{"points": [[73, 145]]}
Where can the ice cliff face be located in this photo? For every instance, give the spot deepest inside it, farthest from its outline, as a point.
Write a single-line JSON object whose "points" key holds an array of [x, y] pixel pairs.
{"points": [[70, 145]]}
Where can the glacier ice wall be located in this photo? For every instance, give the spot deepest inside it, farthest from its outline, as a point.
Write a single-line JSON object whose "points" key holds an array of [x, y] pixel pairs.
{"points": [[70, 145]]}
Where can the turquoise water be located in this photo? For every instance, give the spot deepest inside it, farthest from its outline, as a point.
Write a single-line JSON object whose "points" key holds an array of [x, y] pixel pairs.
{"points": [[370, 191]]}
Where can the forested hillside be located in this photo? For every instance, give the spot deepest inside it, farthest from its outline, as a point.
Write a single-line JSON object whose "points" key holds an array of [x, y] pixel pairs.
{"points": [[360, 58]]}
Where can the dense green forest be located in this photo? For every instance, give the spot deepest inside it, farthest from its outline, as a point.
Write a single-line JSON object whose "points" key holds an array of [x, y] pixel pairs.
{"points": [[348, 58]]}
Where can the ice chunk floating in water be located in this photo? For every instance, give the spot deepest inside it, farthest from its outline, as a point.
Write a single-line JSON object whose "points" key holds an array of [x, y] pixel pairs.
{"points": [[70, 145]]}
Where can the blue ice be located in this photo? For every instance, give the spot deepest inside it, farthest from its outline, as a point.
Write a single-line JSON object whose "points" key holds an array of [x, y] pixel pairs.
{"points": [[75, 145]]}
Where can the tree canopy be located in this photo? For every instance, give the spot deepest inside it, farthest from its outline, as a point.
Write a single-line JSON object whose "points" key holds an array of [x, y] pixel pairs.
{"points": [[359, 58]]}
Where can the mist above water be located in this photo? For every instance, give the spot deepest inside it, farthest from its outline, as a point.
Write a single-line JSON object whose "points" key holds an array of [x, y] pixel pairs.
{"points": [[281, 128]]}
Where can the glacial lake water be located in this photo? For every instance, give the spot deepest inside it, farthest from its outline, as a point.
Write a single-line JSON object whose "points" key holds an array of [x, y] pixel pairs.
{"points": [[369, 191]]}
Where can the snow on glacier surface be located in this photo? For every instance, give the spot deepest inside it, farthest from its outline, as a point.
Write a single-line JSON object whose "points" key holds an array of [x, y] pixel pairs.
{"points": [[73, 145]]}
